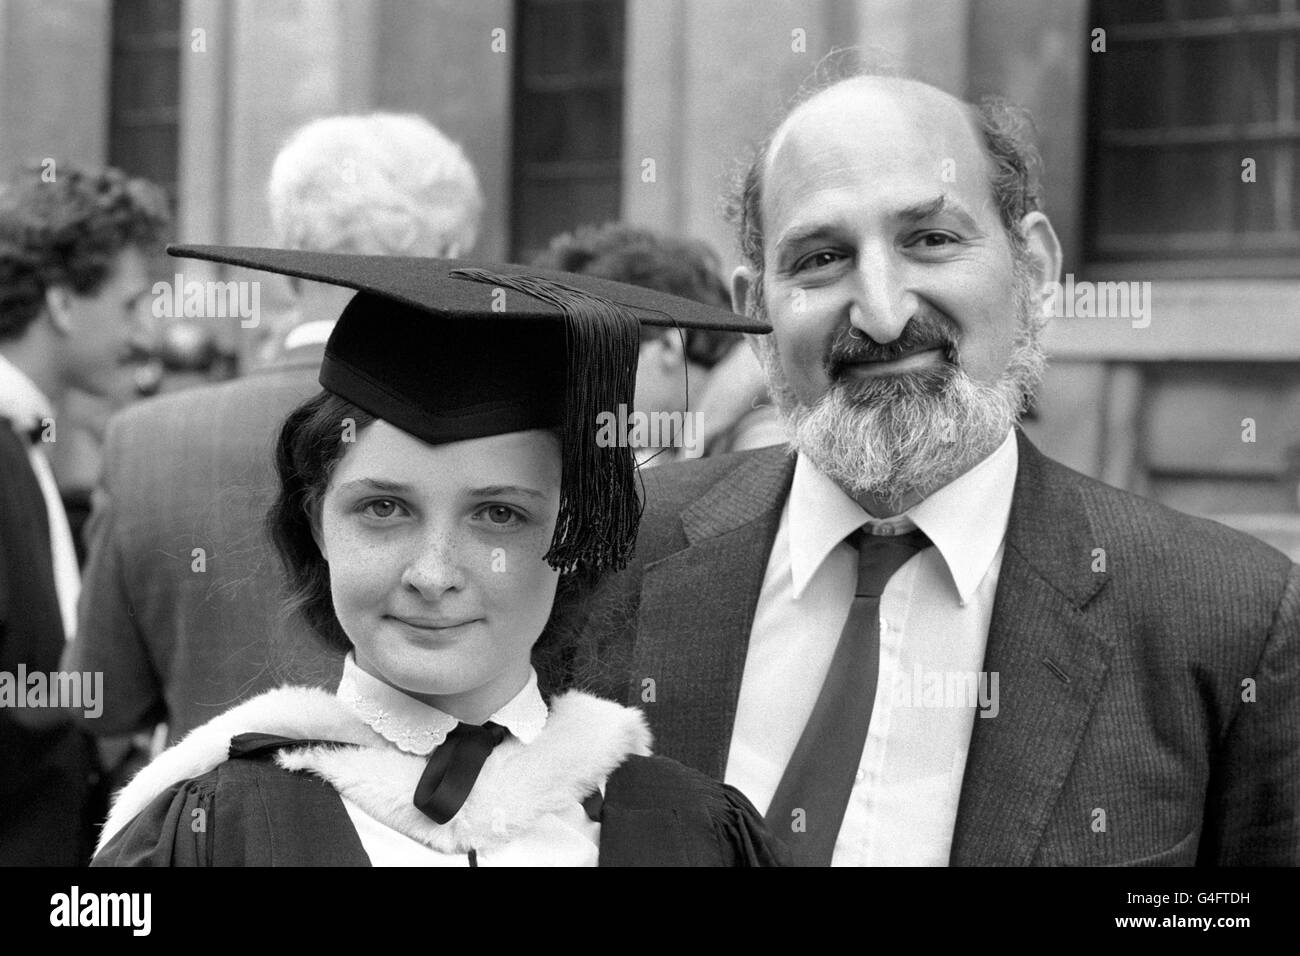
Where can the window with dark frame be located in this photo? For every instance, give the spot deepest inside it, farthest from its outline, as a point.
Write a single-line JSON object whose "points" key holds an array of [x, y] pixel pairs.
{"points": [[1185, 92], [144, 99], [568, 118]]}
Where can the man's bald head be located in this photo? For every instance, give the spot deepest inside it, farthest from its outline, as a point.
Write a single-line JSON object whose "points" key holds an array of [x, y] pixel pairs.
{"points": [[880, 103], [888, 100]]}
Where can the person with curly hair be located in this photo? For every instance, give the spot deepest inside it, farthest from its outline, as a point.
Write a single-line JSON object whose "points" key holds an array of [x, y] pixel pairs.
{"points": [[679, 371], [73, 271]]}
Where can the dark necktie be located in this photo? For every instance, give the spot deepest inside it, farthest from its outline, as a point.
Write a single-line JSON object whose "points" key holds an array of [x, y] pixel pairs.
{"points": [[819, 777], [453, 767]]}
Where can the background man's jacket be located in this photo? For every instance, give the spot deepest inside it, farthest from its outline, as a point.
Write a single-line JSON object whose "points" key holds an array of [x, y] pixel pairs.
{"points": [[182, 598]]}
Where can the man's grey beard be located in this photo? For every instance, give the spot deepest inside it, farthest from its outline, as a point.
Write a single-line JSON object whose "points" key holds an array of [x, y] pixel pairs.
{"points": [[908, 435]]}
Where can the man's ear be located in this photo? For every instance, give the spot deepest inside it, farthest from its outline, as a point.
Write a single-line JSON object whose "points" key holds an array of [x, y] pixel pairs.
{"points": [[742, 287], [58, 303], [1044, 247], [672, 350]]}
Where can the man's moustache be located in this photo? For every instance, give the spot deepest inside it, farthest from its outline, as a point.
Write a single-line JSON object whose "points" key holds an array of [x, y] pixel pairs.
{"points": [[855, 351]]}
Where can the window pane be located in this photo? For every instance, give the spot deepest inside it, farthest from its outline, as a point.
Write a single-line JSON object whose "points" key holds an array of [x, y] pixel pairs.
{"points": [[545, 210], [145, 89], [1291, 211], [1131, 87], [576, 36], [583, 125], [1173, 115], [1210, 87], [1257, 211], [1260, 79], [1114, 12], [134, 17], [1204, 180], [1205, 9], [149, 151], [1128, 190], [568, 126], [146, 80]]}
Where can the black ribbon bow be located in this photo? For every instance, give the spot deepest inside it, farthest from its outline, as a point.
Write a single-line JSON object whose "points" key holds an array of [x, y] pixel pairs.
{"points": [[453, 767]]}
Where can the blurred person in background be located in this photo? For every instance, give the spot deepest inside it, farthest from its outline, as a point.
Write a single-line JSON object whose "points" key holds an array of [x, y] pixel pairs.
{"points": [[181, 581], [365, 185], [677, 371], [74, 249]]}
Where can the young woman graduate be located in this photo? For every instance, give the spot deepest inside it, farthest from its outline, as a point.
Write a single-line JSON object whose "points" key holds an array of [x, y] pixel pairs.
{"points": [[454, 473]]}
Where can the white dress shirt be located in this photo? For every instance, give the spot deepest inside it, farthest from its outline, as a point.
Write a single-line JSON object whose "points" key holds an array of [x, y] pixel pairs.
{"points": [[568, 838], [23, 403], [935, 614]]}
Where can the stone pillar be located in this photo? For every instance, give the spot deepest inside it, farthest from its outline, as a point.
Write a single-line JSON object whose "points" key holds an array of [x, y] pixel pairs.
{"points": [[54, 58], [437, 58], [705, 82], [1036, 54], [252, 73]]}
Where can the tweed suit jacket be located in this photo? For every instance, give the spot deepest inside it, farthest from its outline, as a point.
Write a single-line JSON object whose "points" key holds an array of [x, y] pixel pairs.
{"points": [[182, 597], [1149, 703]]}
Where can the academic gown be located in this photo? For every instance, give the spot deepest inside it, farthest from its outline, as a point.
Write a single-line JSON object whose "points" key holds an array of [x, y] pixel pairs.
{"points": [[276, 802]]}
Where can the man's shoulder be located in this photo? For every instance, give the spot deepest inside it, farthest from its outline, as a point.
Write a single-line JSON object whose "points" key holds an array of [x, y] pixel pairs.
{"points": [[209, 410], [671, 487], [1141, 526]]}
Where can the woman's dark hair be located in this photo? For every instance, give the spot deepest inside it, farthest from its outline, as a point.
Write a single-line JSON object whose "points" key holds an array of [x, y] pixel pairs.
{"points": [[311, 443]]}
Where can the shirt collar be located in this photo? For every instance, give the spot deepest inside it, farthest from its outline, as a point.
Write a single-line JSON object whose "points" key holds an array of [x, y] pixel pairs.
{"points": [[966, 518], [315, 332], [417, 728], [20, 400]]}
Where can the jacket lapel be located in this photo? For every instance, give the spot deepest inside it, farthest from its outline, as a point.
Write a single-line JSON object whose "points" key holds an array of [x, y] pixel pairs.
{"points": [[1050, 661], [693, 648]]}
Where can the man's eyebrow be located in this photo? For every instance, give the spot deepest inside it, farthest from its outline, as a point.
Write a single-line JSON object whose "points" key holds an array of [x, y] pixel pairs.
{"points": [[797, 235], [912, 214], [920, 211]]}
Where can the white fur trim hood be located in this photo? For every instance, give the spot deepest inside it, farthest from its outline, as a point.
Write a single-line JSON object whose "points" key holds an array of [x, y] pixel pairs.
{"points": [[584, 740]]}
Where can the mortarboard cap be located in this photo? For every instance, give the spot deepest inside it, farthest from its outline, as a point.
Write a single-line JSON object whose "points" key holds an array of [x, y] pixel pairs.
{"points": [[449, 350]]}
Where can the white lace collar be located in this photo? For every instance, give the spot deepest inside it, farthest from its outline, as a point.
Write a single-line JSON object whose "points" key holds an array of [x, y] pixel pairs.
{"points": [[415, 727]]}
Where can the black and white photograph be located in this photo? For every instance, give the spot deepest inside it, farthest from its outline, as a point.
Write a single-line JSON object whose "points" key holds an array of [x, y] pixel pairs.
{"points": [[651, 433]]}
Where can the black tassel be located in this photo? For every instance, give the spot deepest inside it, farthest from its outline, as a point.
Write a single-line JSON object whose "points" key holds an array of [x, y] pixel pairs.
{"points": [[599, 505]]}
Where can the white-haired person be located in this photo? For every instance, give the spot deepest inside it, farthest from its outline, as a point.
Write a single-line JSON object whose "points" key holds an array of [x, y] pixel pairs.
{"points": [[180, 584], [385, 184]]}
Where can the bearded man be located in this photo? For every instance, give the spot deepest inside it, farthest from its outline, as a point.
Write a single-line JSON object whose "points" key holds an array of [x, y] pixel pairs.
{"points": [[909, 637]]}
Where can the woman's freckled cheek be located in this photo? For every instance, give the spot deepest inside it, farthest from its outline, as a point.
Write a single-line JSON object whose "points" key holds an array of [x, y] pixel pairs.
{"points": [[517, 562], [360, 558]]}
